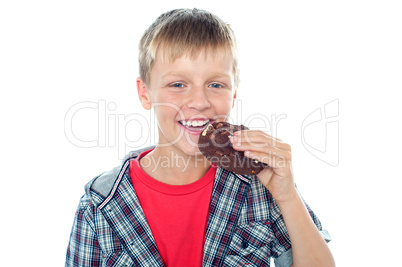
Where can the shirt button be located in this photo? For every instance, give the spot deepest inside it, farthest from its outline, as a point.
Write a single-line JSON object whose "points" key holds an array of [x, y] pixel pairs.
{"points": [[244, 244]]}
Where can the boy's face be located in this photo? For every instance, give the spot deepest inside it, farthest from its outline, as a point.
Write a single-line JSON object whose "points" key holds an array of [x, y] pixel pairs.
{"points": [[187, 95]]}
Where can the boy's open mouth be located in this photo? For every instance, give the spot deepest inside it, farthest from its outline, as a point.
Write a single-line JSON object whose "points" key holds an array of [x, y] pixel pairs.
{"points": [[195, 126]]}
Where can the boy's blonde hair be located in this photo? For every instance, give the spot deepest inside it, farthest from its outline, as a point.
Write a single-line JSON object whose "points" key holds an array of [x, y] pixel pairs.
{"points": [[186, 31]]}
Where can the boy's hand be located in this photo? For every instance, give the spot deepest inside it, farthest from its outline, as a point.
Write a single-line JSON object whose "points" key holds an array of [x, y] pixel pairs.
{"points": [[278, 177], [309, 248]]}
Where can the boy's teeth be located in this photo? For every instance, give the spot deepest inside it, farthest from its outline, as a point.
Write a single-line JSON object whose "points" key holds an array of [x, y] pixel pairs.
{"points": [[194, 123]]}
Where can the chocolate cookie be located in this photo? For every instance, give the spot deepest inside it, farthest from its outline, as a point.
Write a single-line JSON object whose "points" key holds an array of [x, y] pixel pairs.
{"points": [[215, 145]]}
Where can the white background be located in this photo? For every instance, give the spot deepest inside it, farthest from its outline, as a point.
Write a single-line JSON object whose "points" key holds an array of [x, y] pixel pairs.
{"points": [[296, 56]]}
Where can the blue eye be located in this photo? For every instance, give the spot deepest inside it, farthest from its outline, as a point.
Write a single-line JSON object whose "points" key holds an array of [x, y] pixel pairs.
{"points": [[178, 85], [216, 85]]}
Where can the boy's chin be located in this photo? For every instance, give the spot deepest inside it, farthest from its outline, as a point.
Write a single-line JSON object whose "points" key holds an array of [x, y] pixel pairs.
{"points": [[192, 151]]}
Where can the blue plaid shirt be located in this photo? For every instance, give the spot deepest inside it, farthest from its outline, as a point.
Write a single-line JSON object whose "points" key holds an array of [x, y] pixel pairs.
{"points": [[245, 225]]}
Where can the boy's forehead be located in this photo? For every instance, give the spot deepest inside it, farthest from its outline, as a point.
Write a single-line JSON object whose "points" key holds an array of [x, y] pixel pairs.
{"points": [[216, 64], [167, 55]]}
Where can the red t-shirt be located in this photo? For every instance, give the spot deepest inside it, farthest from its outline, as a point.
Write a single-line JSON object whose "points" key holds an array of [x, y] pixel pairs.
{"points": [[176, 214]]}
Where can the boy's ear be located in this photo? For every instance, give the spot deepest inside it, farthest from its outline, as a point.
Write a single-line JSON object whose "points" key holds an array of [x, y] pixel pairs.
{"points": [[143, 94]]}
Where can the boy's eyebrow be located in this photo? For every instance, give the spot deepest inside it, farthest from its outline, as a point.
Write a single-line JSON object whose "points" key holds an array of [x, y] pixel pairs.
{"points": [[173, 73], [214, 75]]}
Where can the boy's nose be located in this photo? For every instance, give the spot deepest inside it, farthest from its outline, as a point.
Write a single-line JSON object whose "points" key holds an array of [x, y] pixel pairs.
{"points": [[198, 99]]}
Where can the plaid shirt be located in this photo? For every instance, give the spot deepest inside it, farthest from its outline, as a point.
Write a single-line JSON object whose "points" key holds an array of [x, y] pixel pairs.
{"points": [[245, 225]]}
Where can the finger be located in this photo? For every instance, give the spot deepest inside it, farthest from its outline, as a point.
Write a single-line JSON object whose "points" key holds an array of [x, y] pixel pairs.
{"points": [[259, 137], [269, 150], [258, 133], [258, 141], [263, 149], [272, 159]]}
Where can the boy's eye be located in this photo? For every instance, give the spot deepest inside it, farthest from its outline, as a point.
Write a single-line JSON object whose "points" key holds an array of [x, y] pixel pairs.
{"points": [[216, 85], [178, 85]]}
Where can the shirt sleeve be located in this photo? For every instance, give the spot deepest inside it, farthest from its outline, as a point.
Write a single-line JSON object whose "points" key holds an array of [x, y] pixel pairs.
{"points": [[281, 248], [83, 248]]}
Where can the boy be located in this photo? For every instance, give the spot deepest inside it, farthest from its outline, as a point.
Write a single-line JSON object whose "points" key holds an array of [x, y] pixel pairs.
{"points": [[187, 211]]}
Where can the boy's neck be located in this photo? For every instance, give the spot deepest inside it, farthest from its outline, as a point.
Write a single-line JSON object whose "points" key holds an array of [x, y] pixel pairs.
{"points": [[169, 167]]}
